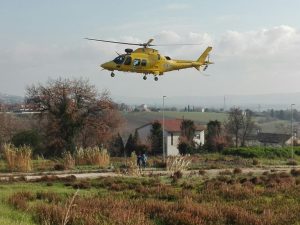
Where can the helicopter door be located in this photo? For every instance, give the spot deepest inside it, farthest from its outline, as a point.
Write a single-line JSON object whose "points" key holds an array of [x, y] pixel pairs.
{"points": [[136, 63], [144, 63], [127, 61]]}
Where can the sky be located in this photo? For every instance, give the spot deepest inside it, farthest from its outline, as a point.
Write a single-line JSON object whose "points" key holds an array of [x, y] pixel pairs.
{"points": [[256, 44]]}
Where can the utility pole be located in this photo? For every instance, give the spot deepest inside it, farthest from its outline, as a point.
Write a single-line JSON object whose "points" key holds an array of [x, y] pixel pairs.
{"points": [[163, 130], [292, 130]]}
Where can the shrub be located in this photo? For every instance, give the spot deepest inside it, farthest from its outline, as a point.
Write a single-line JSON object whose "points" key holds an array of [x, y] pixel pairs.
{"points": [[18, 159], [49, 214], [82, 185], [50, 197], [295, 172], [59, 167], [20, 200], [292, 162], [29, 138], [177, 175], [225, 172], [202, 172], [132, 167], [237, 170], [255, 162], [258, 152]]}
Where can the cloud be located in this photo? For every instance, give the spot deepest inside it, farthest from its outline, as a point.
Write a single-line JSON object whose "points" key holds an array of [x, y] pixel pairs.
{"points": [[257, 61], [264, 42]]}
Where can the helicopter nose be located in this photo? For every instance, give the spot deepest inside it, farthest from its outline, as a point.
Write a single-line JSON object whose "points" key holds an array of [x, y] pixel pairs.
{"points": [[108, 66]]}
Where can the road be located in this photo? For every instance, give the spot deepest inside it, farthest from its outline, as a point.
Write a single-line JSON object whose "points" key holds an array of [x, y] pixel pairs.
{"points": [[109, 173]]}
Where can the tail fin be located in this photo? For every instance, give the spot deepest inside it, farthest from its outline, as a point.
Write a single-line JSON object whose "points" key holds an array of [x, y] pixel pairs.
{"points": [[204, 55]]}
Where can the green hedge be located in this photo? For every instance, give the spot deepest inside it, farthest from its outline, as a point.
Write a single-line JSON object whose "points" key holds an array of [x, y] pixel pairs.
{"points": [[262, 152]]}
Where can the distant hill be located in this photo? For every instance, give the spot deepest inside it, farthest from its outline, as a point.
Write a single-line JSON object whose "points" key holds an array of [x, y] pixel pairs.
{"points": [[10, 99]]}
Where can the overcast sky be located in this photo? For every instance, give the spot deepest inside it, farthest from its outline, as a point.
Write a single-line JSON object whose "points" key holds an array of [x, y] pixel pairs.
{"points": [[256, 44]]}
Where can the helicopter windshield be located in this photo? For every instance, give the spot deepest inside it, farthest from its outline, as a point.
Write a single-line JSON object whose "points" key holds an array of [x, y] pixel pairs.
{"points": [[120, 59]]}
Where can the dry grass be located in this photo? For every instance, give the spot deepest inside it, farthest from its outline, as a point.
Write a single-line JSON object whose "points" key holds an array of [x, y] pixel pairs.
{"points": [[18, 159], [177, 163], [92, 156], [132, 167], [68, 208], [68, 161]]}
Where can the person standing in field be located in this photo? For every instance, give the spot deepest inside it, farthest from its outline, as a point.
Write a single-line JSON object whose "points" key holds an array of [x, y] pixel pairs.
{"points": [[144, 160], [139, 161]]}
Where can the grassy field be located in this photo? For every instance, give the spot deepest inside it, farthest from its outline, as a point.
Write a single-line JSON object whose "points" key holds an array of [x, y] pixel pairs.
{"points": [[233, 197], [239, 192]]}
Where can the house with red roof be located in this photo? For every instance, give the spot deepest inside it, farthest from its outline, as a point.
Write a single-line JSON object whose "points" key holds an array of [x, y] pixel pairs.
{"points": [[172, 131]]}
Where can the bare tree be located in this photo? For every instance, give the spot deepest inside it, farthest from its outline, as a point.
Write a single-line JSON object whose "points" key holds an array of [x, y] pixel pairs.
{"points": [[240, 125], [247, 126], [74, 112]]}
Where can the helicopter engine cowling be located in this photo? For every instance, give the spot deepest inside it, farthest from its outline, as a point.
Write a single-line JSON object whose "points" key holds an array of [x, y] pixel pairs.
{"points": [[128, 50]]}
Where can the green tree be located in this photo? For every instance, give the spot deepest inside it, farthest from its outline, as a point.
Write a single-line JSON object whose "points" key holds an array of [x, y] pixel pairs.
{"points": [[117, 146], [136, 138], [186, 143], [213, 133], [188, 131], [130, 145], [156, 138]]}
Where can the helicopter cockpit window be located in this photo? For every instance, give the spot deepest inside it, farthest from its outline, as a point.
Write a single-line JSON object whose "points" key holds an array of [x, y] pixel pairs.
{"points": [[127, 60], [168, 58], [136, 62], [119, 59], [144, 62]]}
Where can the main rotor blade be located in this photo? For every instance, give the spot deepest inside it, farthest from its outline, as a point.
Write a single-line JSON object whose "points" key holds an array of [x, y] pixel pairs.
{"points": [[138, 44], [149, 42], [116, 42], [174, 44]]}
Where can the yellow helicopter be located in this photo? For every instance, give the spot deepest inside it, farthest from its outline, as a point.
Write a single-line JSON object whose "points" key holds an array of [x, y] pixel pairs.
{"points": [[147, 60]]}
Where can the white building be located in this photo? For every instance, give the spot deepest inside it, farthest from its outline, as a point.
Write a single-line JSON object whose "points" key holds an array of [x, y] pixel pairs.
{"points": [[172, 133]]}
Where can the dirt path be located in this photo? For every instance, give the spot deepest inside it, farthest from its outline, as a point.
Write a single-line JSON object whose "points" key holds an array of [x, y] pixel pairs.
{"points": [[109, 173]]}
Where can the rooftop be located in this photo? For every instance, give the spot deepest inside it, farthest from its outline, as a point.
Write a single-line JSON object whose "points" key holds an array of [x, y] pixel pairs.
{"points": [[173, 125]]}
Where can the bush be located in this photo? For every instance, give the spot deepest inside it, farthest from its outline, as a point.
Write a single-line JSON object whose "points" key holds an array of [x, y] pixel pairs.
{"points": [[295, 172], [258, 152], [202, 172], [29, 138], [237, 170], [59, 167], [185, 148], [255, 162], [292, 162]]}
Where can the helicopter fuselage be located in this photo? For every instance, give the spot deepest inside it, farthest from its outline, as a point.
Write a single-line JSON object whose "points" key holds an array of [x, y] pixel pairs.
{"points": [[150, 61]]}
